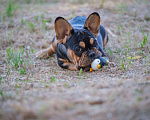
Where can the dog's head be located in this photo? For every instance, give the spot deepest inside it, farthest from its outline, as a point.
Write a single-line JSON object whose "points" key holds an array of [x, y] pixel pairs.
{"points": [[80, 43]]}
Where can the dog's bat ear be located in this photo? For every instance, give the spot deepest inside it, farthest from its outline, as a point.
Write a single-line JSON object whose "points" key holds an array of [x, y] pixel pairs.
{"points": [[62, 28], [93, 23]]}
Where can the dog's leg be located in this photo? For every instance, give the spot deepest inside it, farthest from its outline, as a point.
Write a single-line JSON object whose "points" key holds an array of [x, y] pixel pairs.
{"points": [[66, 64], [46, 52], [105, 40], [50, 50], [70, 66]]}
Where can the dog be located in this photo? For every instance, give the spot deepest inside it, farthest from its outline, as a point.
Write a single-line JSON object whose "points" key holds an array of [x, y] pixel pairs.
{"points": [[77, 42]]}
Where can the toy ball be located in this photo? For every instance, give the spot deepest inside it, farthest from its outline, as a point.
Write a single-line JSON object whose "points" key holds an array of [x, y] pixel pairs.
{"points": [[98, 63]]}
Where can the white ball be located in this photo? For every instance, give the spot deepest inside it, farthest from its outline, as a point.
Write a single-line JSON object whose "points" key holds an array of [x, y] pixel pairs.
{"points": [[95, 63]]}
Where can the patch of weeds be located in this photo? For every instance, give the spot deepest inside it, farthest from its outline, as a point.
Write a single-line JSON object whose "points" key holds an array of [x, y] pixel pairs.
{"points": [[1, 80], [16, 88], [23, 21], [118, 60], [145, 38], [139, 91], [10, 8], [32, 50], [73, 14], [140, 51], [44, 26], [15, 60], [0, 14], [139, 99], [36, 18], [119, 30], [28, 1], [1, 93], [31, 26], [81, 71], [122, 64], [10, 53], [85, 74], [23, 70], [141, 1], [66, 85], [110, 52], [123, 6], [102, 4], [41, 1], [80, 1], [129, 61], [8, 71], [52, 79]]}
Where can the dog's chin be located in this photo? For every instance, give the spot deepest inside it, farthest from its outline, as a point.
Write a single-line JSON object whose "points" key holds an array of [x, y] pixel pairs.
{"points": [[85, 61]]}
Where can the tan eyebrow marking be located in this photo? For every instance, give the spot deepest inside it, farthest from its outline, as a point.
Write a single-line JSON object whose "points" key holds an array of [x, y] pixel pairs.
{"points": [[91, 41], [82, 44]]}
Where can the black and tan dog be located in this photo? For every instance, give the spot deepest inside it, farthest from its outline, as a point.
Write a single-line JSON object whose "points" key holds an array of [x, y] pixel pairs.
{"points": [[78, 42]]}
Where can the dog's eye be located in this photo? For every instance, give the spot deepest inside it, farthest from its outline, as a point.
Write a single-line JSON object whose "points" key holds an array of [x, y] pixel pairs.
{"points": [[78, 49]]}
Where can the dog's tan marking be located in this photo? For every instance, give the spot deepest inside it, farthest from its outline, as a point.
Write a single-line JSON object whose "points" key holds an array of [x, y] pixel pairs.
{"points": [[82, 44], [63, 60], [73, 57], [70, 66], [105, 41], [91, 41]]}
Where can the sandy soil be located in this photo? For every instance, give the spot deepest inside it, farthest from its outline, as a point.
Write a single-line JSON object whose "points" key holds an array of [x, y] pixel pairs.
{"points": [[40, 89]]}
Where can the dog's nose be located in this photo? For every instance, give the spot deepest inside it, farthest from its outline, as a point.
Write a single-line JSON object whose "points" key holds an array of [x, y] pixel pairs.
{"points": [[92, 55]]}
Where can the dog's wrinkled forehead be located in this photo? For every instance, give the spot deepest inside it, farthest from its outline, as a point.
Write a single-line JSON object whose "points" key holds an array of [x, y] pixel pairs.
{"points": [[85, 37]]}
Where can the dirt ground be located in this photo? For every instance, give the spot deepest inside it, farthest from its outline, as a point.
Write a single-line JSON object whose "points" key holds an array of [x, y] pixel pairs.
{"points": [[39, 89]]}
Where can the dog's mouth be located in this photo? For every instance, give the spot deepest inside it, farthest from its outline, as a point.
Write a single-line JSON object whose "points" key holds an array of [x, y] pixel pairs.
{"points": [[88, 57]]}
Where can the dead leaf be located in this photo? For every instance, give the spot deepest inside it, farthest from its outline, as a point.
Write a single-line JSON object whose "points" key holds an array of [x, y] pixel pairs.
{"points": [[148, 78], [135, 57], [96, 102], [17, 85]]}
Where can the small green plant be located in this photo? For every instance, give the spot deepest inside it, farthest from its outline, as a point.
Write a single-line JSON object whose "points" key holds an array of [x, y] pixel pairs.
{"points": [[120, 28], [10, 8], [23, 21], [28, 1], [31, 26], [9, 53], [1, 93], [140, 51], [102, 3], [36, 18], [139, 91], [1, 79], [145, 38], [80, 72], [73, 14], [66, 85], [52, 79], [23, 70], [122, 64], [110, 52], [8, 71], [139, 99], [129, 61], [123, 6]]}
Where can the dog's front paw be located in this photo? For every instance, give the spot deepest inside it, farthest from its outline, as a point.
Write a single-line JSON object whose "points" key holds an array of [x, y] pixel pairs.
{"points": [[42, 54], [112, 64]]}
